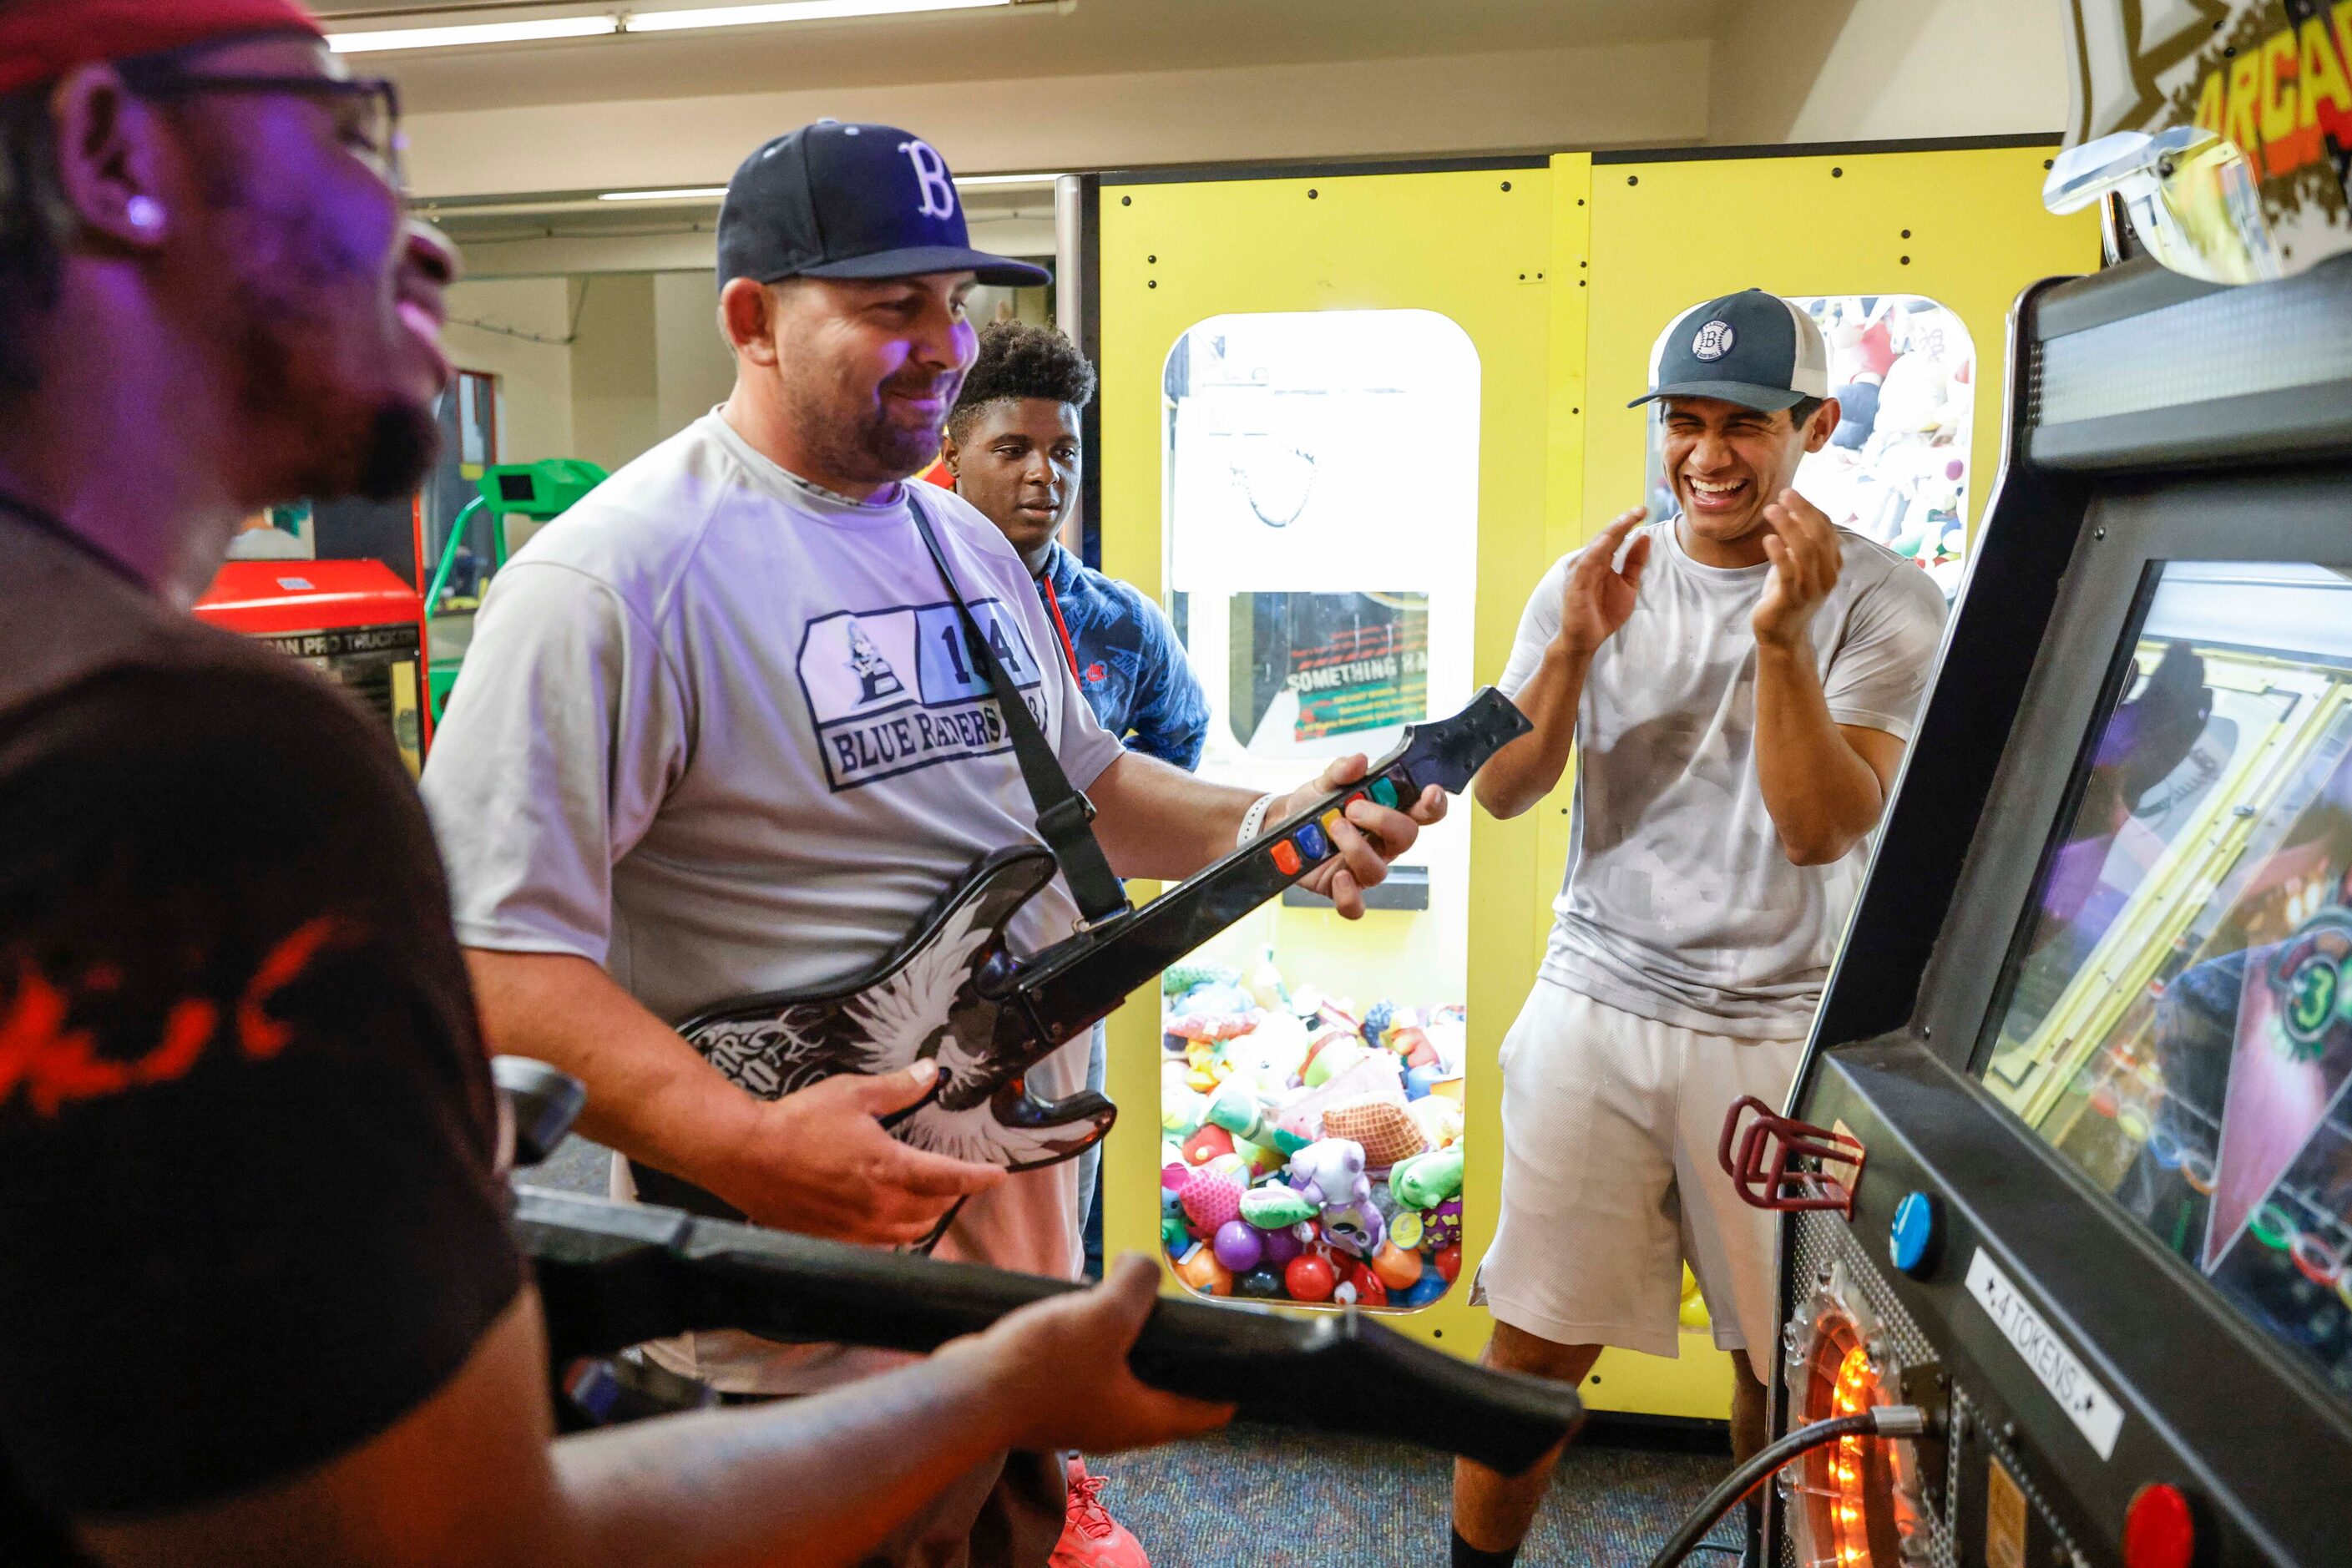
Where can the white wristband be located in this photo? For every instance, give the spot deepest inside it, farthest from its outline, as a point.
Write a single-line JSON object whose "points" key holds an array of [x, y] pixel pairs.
{"points": [[1254, 820]]}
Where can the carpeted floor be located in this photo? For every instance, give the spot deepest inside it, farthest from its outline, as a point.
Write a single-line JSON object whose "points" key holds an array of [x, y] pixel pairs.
{"points": [[1260, 1497]]}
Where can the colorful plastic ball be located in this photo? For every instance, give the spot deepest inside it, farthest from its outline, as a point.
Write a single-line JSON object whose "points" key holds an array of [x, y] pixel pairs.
{"points": [[1201, 1270], [1449, 1263], [1172, 1177], [1420, 1081], [1238, 1246], [1259, 1284], [1208, 1144], [1371, 1290], [1397, 1269], [1310, 1278], [1281, 1247], [1425, 1289], [1691, 1314]]}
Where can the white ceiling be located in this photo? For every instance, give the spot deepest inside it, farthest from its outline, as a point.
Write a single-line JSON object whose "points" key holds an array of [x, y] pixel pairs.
{"points": [[1095, 37]]}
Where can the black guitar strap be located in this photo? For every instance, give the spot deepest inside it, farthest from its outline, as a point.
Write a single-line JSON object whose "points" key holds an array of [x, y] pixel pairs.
{"points": [[1063, 811]]}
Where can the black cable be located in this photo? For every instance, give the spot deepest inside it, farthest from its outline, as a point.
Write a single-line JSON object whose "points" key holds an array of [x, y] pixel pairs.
{"points": [[1884, 1421]]}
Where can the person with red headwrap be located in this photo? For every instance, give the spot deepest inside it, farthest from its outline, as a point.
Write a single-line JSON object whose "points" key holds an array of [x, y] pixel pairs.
{"points": [[258, 1297]]}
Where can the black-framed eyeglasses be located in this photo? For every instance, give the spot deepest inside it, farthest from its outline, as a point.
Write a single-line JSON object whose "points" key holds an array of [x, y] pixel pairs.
{"points": [[366, 108]]}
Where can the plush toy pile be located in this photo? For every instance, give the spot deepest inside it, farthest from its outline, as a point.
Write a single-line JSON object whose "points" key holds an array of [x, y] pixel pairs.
{"points": [[1311, 1153]]}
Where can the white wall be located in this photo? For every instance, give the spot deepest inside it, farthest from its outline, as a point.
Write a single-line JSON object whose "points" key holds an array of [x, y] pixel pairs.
{"points": [[1774, 71], [1868, 70], [1631, 94], [616, 382], [534, 377], [647, 360], [694, 369]]}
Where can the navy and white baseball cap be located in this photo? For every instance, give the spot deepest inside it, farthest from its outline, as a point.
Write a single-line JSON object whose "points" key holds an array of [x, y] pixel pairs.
{"points": [[1751, 348], [832, 200]]}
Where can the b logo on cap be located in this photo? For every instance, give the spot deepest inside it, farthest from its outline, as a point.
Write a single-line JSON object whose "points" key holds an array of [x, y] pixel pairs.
{"points": [[1714, 341], [931, 175]]}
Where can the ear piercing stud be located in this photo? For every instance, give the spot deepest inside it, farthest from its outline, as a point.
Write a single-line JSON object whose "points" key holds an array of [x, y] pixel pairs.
{"points": [[144, 214]]}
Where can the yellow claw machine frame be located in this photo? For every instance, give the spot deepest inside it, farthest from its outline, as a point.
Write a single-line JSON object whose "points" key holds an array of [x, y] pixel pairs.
{"points": [[1348, 417]]}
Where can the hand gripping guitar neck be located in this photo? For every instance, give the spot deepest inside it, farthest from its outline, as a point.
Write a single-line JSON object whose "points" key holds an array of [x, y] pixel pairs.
{"points": [[954, 990]]}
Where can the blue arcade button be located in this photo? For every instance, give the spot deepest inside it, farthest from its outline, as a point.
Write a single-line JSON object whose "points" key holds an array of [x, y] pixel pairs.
{"points": [[1911, 1241]]}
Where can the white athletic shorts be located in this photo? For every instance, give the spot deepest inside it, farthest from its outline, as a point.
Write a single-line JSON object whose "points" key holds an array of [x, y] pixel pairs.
{"points": [[1610, 1124]]}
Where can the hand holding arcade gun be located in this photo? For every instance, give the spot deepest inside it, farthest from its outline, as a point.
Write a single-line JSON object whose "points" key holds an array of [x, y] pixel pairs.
{"points": [[612, 1275]]}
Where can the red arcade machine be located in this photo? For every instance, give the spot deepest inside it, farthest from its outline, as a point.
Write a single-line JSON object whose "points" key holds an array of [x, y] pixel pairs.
{"points": [[357, 621]]}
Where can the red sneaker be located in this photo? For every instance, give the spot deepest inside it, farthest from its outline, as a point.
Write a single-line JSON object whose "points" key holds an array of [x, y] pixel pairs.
{"points": [[1090, 1537]]}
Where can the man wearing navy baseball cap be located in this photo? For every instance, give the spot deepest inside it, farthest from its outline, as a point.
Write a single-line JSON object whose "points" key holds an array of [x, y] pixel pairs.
{"points": [[1740, 679], [719, 735]]}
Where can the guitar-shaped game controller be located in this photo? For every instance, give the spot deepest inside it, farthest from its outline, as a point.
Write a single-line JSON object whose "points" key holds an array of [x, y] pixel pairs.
{"points": [[955, 992]]}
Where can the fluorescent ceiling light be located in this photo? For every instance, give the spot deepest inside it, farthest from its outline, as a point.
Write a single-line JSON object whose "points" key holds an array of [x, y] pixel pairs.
{"points": [[684, 193], [713, 193], [473, 33], [606, 25], [791, 11]]}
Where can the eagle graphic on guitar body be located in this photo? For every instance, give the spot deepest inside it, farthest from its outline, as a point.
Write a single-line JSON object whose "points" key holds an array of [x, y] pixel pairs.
{"points": [[955, 992]]}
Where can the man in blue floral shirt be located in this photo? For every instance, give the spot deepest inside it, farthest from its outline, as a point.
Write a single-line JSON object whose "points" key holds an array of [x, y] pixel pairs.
{"points": [[1014, 450]]}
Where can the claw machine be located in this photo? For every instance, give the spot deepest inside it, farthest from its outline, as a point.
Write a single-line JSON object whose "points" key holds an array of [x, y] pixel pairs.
{"points": [[1326, 427], [1321, 532], [1349, 415]]}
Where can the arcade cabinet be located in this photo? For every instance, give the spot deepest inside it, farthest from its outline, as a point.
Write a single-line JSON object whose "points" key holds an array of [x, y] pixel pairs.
{"points": [[2070, 1165], [542, 492], [1349, 419], [355, 622]]}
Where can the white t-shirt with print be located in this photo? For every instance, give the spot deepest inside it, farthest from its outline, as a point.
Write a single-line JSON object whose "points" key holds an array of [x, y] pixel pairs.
{"points": [[1678, 904], [717, 733]]}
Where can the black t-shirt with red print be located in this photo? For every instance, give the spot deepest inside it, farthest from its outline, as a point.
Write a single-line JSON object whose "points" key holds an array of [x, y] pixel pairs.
{"points": [[250, 1213]]}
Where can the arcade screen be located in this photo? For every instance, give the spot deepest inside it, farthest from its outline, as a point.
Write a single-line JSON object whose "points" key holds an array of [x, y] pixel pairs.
{"points": [[2177, 1019]]}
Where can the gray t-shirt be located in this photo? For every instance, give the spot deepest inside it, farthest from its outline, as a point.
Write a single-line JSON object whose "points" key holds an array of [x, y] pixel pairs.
{"points": [[717, 732], [1678, 902]]}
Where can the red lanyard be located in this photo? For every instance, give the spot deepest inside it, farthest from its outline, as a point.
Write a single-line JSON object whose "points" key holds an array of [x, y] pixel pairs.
{"points": [[1053, 604]]}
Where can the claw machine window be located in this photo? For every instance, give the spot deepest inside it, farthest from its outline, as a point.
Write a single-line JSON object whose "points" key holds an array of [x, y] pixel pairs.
{"points": [[1322, 529], [1896, 470]]}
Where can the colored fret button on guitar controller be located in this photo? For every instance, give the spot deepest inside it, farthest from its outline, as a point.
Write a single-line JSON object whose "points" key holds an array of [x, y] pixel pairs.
{"points": [[1385, 792], [1311, 842], [1286, 858]]}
